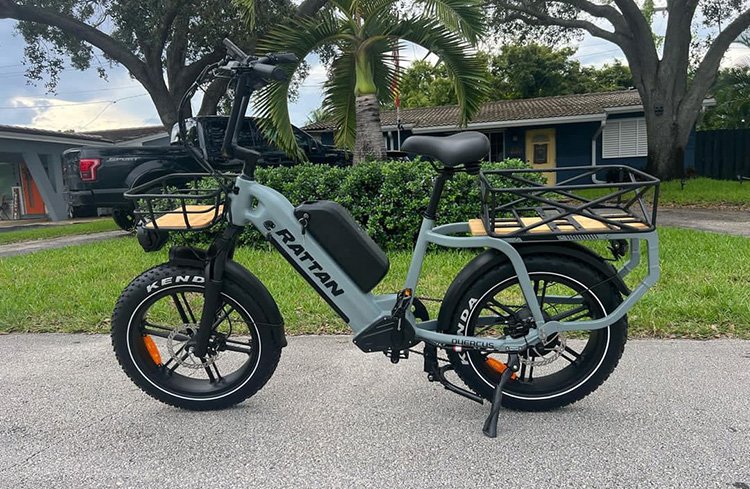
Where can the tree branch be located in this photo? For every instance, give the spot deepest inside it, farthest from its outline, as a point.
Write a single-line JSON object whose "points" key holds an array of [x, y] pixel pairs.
{"points": [[604, 11], [216, 89], [176, 52], [308, 8], [709, 67], [114, 49], [638, 26], [173, 8], [532, 16]]}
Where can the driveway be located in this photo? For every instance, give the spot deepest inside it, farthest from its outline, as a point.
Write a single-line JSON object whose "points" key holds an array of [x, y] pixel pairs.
{"points": [[674, 414], [725, 221], [25, 247]]}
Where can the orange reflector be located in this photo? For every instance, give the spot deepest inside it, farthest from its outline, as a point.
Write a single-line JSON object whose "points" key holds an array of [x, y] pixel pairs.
{"points": [[153, 350], [499, 367]]}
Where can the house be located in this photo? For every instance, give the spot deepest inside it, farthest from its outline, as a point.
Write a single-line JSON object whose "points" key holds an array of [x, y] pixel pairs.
{"points": [[551, 132], [31, 166]]}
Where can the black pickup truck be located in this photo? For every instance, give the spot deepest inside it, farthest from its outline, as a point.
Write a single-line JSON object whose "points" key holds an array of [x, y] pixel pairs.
{"points": [[96, 177]]}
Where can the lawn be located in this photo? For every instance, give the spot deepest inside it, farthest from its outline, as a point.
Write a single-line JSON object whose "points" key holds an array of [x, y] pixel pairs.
{"points": [[705, 192], [57, 231], [704, 290]]}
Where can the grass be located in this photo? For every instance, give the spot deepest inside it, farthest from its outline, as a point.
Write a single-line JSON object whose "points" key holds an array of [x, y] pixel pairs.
{"points": [[705, 192], [57, 231], [704, 291]]}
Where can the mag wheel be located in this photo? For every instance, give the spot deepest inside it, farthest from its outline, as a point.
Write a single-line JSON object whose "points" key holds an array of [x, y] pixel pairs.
{"points": [[159, 312], [567, 366]]}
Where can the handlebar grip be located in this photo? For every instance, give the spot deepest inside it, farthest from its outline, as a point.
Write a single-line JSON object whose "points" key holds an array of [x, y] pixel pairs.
{"points": [[286, 58], [234, 50], [269, 71]]}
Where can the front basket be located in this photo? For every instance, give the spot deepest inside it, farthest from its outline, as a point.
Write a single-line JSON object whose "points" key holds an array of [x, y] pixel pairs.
{"points": [[179, 202]]}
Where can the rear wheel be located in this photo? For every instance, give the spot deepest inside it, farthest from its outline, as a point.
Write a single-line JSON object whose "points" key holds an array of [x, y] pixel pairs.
{"points": [[159, 312], [567, 366]]}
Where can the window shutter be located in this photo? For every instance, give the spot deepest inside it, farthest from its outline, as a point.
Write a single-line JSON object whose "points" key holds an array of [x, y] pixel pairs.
{"points": [[611, 141], [624, 138]]}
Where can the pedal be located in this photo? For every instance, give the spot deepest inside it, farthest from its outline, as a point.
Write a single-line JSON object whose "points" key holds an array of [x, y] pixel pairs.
{"points": [[397, 355], [490, 425]]}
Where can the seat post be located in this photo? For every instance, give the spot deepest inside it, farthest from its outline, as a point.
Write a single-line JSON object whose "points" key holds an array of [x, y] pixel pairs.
{"points": [[437, 191]]}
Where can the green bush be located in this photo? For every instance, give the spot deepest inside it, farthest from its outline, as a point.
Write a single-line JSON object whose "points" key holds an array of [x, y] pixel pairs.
{"points": [[386, 198]]}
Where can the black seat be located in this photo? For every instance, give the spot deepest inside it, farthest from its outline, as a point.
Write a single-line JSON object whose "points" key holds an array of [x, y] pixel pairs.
{"points": [[458, 149]]}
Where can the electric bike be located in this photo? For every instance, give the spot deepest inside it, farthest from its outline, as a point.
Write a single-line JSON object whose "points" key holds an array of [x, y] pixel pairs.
{"points": [[535, 321]]}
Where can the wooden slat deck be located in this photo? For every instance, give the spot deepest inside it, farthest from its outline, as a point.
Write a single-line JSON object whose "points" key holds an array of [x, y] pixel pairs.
{"points": [[198, 216], [570, 224]]}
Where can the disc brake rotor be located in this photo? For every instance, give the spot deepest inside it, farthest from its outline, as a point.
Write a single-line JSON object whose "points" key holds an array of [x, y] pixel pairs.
{"points": [[185, 358], [544, 354]]}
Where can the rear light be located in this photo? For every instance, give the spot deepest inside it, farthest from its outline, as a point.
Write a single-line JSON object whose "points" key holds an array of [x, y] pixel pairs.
{"points": [[88, 168]]}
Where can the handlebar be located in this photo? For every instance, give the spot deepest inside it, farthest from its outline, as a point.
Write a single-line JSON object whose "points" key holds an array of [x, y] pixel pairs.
{"points": [[265, 66], [250, 73], [234, 50]]}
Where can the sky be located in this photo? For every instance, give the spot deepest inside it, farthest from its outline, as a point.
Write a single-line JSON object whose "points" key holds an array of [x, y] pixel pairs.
{"points": [[85, 102]]}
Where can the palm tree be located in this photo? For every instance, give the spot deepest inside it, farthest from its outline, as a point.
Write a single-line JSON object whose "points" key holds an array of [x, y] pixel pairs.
{"points": [[363, 35]]}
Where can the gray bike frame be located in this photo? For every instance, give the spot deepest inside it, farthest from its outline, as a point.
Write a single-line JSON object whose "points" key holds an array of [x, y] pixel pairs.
{"points": [[273, 215]]}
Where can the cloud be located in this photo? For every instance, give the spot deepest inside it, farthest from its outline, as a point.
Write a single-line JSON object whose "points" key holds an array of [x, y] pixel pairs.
{"points": [[63, 115], [737, 55]]}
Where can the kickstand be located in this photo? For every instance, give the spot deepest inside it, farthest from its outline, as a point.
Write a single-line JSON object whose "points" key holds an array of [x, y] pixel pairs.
{"points": [[490, 426]]}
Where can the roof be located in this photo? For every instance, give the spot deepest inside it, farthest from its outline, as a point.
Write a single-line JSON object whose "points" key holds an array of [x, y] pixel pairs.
{"points": [[29, 131], [563, 106], [129, 133]]}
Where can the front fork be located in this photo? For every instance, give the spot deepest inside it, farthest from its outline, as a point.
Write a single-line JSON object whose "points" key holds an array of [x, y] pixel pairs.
{"points": [[220, 251]]}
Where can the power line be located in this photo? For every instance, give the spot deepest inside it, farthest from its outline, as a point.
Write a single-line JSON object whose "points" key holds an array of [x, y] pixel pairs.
{"points": [[97, 116], [75, 104]]}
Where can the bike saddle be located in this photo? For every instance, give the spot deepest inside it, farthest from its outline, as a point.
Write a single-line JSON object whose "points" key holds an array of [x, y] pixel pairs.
{"points": [[458, 149]]}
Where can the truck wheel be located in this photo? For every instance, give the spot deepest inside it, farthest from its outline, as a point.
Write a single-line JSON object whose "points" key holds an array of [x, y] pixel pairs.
{"points": [[125, 218]]}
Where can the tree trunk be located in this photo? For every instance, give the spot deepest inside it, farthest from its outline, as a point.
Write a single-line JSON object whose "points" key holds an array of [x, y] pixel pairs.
{"points": [[212, 96], [370, 144], [667, 134], [666, 159]]}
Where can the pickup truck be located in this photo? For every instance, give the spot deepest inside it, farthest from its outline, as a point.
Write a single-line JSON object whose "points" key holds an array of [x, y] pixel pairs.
{"points": [[96, 177]]}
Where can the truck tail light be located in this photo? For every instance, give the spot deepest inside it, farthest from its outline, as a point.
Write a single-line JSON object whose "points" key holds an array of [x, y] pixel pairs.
{"points": [[88, 168]]}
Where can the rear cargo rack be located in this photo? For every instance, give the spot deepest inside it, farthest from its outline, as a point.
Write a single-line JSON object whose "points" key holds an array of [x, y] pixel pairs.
{"points": [[515, 204]]}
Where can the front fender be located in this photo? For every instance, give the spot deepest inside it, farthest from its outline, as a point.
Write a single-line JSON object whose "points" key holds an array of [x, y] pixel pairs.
{"points": [[196, 258]]}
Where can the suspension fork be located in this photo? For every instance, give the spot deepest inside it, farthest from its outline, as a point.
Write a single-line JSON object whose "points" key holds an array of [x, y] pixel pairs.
{"points": [[220, 251]]}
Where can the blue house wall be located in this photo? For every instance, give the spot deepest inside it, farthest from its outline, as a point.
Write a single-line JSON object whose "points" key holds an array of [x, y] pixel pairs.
{"points": [[573, 144]]}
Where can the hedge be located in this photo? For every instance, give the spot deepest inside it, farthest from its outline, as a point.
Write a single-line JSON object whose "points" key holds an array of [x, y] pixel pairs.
{"points": [[386, 198]]}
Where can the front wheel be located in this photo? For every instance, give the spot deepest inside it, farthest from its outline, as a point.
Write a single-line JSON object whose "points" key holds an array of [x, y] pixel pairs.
{"points": [[159, 312], [567, 366]]}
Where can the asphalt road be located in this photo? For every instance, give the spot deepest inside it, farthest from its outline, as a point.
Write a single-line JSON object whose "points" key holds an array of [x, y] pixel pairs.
{"points": [[674, 414]]}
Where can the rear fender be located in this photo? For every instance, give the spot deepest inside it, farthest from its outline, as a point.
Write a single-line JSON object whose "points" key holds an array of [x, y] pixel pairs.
{"points": [[196, 258], [492, 258]]}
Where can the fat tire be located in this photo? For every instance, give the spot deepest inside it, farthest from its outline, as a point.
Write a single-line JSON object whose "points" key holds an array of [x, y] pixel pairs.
{"points": [[601, 287], [135, 293]]}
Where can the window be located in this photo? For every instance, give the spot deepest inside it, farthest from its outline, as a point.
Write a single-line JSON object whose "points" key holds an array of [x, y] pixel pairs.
{"points": [[624, 138]]}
